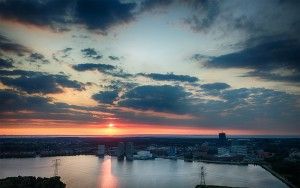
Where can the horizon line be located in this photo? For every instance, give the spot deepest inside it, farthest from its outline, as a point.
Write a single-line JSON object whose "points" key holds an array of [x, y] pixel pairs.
{"points": [[166, 135]]}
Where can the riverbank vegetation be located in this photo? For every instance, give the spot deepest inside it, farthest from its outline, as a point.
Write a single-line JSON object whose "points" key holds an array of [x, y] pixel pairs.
{"points": [[31, 182]]}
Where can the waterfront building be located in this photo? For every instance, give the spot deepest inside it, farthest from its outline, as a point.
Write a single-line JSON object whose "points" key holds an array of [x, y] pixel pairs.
{"points": [[121, 151], [129, 150], [143, 155], [101, 150], [125, 150]]}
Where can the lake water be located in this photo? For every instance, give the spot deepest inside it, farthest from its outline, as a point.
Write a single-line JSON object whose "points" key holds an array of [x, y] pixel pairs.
{"points": [[87, 171]]}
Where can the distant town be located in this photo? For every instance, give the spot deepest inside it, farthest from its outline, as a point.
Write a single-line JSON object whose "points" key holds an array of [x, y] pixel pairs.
{"points": [[280, 156]]}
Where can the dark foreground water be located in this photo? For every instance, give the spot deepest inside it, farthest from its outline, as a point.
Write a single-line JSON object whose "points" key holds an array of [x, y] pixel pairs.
{"points": [[91, 171]]}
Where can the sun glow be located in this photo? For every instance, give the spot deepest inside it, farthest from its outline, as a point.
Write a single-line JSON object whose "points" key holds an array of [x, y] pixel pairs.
{"points": [[111, 125]]}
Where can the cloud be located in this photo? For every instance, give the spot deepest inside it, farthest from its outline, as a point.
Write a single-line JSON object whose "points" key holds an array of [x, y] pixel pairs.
{"points": [[103, 68], [215, 86], [251, 109], [165, 98], [170, 77], [67, 49], [38, 82], [293, 76], [12, 101], [7, 45], [269, 55], [37, 57], [103, 14], [90, 66], [207, 12], [265, 55], [60, 54], [18, 73], [59, 15], [243, 108], [244, 104], [119, 85], [114, 58], [120, 73], [6, 63], [200, 57], [14, 105], [107, 97], [91, 53], [148, 5], [248, 109]]}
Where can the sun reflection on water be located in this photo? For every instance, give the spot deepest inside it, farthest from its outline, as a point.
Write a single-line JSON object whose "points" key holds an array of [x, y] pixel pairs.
{"points": [[106, 178]]}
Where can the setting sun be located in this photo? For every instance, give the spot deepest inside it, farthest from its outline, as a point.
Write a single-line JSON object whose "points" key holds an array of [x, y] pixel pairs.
{"points": [[111, 125]]}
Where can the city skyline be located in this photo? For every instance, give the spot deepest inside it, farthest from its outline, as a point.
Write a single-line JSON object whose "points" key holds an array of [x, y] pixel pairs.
{"points": [[174, 67]]}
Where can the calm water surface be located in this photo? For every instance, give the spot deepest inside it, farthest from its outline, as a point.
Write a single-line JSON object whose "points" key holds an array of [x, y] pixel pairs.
{"points": [[90, 171]]}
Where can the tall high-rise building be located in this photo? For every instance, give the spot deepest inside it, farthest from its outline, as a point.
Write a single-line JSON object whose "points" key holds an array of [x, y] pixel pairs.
{"points": [[101, 150], [121, 151], [125, 150], [129, 150], [222, 139]]}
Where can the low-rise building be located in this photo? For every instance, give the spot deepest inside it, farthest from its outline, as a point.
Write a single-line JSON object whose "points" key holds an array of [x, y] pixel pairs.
{"points": [[239, 150], [223, 152], [143, 155]]}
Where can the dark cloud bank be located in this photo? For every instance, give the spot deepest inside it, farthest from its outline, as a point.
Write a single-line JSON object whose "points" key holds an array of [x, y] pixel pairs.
{"points": [[170, 77], [38, 82], [266, 57], [59, 14], [106, 97], [8, 46], [236, 108], [6, 63], [40, 108]]}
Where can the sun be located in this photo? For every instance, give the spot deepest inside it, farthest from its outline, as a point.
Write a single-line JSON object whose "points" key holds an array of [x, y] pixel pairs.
{"points": [[111, 125]]}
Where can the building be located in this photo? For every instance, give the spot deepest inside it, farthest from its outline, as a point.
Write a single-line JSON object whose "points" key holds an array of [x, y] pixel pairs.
{"points": [[143, 155], [121, 151], [172, 151], [261, 154], [222, 139], [223, 152], [125, 150], [129, 150], [101, 150], [239, 150]]}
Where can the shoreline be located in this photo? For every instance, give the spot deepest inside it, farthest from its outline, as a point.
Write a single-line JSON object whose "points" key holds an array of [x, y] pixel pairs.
{"points": [[264, 166], [226, 162], [278, 176], [178, 158]]}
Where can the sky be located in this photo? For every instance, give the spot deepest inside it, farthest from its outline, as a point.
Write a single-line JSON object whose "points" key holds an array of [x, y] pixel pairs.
{"points": [[125, 67]]}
